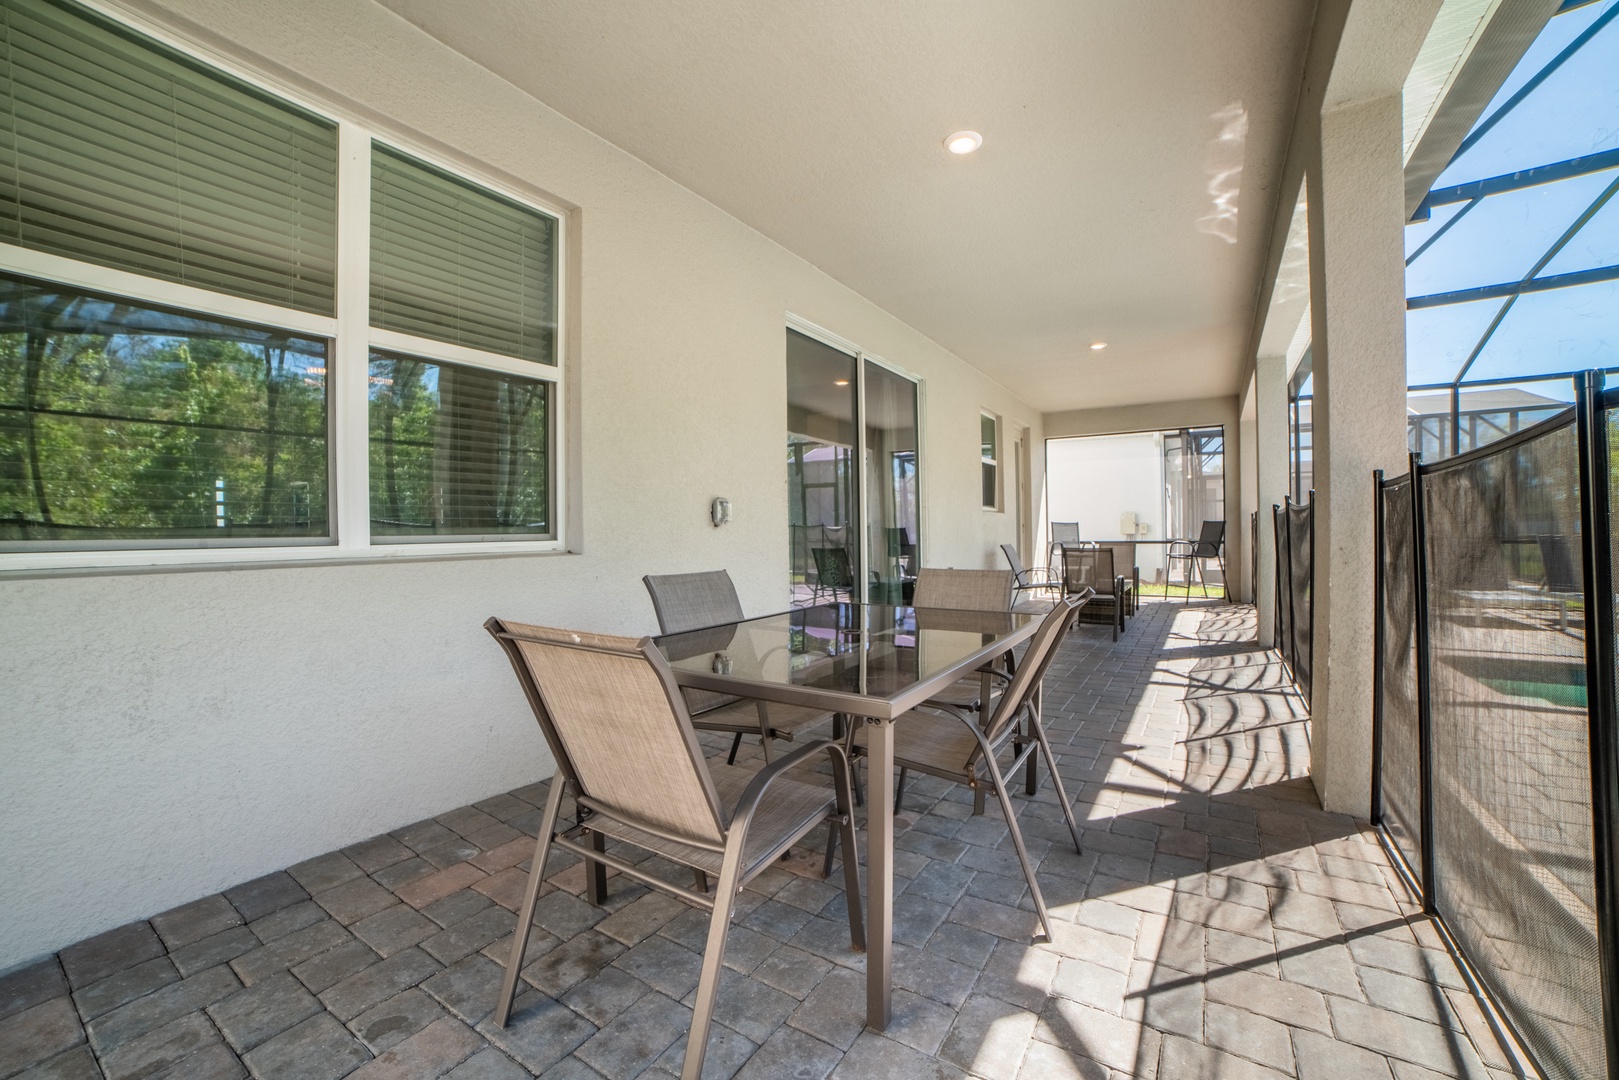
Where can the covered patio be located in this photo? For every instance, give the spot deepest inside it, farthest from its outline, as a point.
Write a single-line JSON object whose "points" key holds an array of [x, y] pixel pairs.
{"points": [[1219, 924], [337, 336]]}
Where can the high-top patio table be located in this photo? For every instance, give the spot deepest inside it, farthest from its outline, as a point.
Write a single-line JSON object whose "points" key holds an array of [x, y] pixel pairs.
{"points": [[870, 661]]}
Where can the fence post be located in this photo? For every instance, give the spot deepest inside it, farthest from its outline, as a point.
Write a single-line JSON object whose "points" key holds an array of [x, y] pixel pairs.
{"points": [[1378, 612], [1419, 562], [1597, 556]]}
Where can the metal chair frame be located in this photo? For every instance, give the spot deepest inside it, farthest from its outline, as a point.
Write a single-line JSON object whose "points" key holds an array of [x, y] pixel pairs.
{"points": [[1032, 578]]}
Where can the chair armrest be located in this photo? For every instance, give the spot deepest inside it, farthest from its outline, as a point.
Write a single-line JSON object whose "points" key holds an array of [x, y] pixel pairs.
{"points": [[974, 726], [742, 813], [1037, 577]]}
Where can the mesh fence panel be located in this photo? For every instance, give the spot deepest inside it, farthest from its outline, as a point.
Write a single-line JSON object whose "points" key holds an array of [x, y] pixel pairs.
{"points": [[1301, 560], [1284, 602], [1511, 771], [1400, 764]]}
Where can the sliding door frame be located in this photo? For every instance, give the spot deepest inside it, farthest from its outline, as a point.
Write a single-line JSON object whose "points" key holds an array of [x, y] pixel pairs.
{"points": [[861, 495]]}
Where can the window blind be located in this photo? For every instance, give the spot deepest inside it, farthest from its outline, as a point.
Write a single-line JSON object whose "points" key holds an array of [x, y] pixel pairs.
{"points": [[453, 262], [457, 451], [119, 151]]}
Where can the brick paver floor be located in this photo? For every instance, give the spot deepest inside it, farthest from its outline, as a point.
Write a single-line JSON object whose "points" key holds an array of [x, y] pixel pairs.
{"points": [[1219, 924]]}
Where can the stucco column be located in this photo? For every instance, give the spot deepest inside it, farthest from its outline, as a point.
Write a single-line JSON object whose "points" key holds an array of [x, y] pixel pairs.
{"points": [[1357, 302], [1270, 423]]}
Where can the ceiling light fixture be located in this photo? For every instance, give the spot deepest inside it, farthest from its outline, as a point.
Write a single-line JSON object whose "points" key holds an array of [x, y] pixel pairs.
{"points": [[840, 382], [964, 142], [1098, 346]]}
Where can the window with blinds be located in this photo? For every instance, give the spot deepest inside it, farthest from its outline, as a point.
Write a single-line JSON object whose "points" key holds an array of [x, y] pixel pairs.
{"points": [[127, 422], [454, 262], [457, 451], [118, 151], [190, 419], [989, 439]]}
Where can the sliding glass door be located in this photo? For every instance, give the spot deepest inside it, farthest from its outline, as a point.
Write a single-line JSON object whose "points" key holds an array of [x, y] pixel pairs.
{"points": [[852, 473], [890, 481]]}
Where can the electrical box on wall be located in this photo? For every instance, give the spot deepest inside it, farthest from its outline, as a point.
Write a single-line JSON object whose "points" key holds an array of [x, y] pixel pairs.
{"points": [[1127, 523]]}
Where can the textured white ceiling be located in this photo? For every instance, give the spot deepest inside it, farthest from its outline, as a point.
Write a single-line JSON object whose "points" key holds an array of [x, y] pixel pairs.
{"points": [[1127, 179]]}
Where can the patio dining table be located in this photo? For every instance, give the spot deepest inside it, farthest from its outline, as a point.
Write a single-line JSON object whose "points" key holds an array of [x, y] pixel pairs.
{"points": [[870, 662]]}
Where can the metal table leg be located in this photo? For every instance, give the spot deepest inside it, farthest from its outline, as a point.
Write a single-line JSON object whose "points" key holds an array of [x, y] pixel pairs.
{"points": [[879, 873]]}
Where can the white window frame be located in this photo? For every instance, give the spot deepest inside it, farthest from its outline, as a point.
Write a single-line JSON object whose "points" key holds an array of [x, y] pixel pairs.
{"points": [[350, 339], [999, 506]]}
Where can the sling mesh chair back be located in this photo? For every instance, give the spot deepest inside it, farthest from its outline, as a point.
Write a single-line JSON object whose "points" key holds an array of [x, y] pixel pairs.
{"points": [[617, 727], [1063, 534], [966, 590], [834, 572], [686, 602], [1090, 567], [952, 744]]}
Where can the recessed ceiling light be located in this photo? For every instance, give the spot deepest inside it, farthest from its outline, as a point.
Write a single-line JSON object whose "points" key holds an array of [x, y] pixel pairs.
{"points": [[840, 382], [1098, 346], [964, 142]]}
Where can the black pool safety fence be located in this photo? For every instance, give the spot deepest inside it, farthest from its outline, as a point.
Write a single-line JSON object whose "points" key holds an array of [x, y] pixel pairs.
{"points": [[1295, 578], [1495, 750]]}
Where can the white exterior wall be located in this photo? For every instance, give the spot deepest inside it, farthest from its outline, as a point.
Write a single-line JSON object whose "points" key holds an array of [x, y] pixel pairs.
{"points": [[1094, 480], [170, 734]]}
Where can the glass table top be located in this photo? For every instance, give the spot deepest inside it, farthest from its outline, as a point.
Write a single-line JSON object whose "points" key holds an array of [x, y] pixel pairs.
{"points": [[871, 650]]}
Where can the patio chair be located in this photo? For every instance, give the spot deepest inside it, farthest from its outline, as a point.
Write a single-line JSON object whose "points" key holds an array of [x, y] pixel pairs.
{"points": [[685, 602], [1030, 579], [1090, 567], [953, 745], [833, 571], [1063, 533], [1210, 544], [625, 749], [970, 590], [1124, 561], [964, 590], [1561, 580]]}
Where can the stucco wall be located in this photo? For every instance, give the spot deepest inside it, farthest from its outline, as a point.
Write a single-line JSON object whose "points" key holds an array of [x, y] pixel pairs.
{"points": [[169, 734]]}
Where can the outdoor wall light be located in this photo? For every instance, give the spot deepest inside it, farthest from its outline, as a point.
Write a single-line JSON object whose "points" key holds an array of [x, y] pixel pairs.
{"points": [[964, 142], [719, 512]]}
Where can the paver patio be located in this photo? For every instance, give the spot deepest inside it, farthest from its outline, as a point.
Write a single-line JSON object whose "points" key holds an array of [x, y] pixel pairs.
{"points": [[1219, 924]]}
